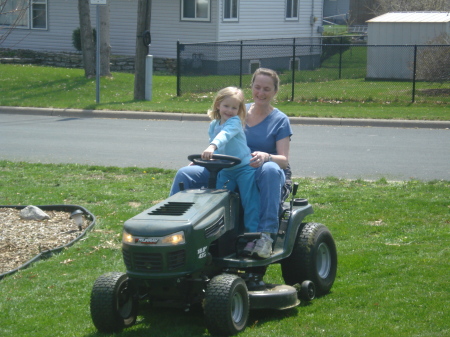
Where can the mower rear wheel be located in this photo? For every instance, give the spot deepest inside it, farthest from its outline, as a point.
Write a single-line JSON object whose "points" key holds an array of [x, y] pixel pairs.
{"points": [[313, 258], [226, 305], [113, 304]]}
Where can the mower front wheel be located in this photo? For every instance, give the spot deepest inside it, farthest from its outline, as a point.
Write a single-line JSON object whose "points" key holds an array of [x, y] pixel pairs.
{"points": [[226, 305], [113, 303]]}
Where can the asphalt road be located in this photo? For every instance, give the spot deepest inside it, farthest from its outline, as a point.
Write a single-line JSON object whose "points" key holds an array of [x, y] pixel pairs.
{"points": [[316, 151]]}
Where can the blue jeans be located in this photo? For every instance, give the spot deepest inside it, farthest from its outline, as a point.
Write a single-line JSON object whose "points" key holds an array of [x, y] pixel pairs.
{"points": [[244, 178], [269, 178]]}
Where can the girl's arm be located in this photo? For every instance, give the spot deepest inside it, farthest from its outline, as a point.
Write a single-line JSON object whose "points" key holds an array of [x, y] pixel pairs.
{"points": [[230, 129], [207, 154]]}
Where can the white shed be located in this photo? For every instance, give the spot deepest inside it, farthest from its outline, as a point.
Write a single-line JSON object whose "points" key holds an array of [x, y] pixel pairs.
{"points": [[384, 61]]}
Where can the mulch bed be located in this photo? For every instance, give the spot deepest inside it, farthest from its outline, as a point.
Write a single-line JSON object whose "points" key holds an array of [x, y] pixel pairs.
{"points": [[21, 240]]}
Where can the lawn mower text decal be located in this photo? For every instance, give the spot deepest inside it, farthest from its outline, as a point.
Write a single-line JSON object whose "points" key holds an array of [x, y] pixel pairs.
{"points": [[146, 241], [201, 252]]}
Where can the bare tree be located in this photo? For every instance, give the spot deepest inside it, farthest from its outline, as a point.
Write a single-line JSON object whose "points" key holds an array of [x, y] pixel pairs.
{"points": [[11, 15], [87, 40], [385, 6], [143, 24]]}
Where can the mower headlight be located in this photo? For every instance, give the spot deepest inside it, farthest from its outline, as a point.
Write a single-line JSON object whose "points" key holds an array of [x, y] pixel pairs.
{"points": [[173, 239], [127, 238], [169, 240]]}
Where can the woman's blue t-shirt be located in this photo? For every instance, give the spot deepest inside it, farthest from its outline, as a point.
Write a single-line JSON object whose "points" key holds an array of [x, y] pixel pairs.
{"points": [[264, 136]]}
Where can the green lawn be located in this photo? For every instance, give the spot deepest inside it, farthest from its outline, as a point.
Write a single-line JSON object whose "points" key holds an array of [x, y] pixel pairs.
{"points": [[34, 86], [392, 240]]}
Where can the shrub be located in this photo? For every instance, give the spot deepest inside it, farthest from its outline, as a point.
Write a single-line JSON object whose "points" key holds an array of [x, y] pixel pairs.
{"points": [[329, 43]]}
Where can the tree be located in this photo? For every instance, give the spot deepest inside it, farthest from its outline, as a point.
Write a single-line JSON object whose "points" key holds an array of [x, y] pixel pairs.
{"points": [[385, 6], [87, 40], [143, 24], [11, 16], [105, 47]]}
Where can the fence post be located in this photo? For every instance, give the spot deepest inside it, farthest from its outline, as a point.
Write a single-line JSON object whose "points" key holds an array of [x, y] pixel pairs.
{"points": [[240, 65], [340, 59], [414, 74], [293, 70], [178, 69]]}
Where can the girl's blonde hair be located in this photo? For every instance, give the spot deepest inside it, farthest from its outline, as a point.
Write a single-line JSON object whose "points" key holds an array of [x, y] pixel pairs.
{"points": [[234, 92]]}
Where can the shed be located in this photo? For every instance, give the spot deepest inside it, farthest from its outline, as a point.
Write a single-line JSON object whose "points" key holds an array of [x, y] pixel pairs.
{"points": [[391, 38]]}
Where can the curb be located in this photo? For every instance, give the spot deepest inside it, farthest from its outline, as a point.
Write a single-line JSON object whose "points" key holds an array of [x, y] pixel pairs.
{"points": [[175, 116]]}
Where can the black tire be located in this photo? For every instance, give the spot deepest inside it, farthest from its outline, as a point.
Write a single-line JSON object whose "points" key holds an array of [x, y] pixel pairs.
{"points": [[226, 305], [313, 258], [113, 303], [307, 291]]}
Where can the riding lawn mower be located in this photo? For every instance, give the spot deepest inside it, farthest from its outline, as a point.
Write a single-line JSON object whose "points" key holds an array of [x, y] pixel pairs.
{"points": [[188, 250]]}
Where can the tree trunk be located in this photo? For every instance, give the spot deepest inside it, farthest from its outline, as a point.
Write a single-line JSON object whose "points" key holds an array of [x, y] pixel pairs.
{"points": [[105, 47], [143, 24], [87, 39]]}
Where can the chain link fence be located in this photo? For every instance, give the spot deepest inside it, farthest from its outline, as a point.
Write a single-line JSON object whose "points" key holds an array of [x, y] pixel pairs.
{"points": [[321, 69]]}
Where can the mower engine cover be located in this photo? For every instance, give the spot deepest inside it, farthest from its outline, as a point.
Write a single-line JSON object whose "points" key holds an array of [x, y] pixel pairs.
{"points": [[173, 238]]}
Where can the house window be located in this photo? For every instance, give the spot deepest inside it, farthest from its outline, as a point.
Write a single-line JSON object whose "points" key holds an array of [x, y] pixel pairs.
{"points": [[196, 10], [39, 14], [14, 13], [24, 14], [230, 10], [292, 9]]}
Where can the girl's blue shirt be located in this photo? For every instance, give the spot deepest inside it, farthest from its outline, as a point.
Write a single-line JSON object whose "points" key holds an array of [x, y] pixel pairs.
{"points": [[229, 138]]}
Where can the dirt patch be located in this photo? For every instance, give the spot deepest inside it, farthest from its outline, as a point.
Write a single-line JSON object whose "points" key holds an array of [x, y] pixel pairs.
{"points": [[21, 240]]}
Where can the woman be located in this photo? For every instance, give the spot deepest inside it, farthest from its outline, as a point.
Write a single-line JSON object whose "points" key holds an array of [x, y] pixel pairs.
{"points": [[268, 133]]}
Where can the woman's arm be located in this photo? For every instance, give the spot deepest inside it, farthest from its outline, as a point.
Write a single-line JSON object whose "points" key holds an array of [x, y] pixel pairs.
{"points": [[281, 158]]}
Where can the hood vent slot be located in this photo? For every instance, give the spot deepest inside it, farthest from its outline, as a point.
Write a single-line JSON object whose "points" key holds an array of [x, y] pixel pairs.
{"points": [[215, 228], [172, 208]]}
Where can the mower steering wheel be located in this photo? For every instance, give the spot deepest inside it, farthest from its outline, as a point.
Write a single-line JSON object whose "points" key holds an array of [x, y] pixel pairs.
{"points": [[217, 163]]}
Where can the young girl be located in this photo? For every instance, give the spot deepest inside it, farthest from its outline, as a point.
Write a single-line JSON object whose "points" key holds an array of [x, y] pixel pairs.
{"points": [[226, 136]]}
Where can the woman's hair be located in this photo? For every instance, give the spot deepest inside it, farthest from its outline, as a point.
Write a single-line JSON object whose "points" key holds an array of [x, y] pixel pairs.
{"points": [[267, 72], [234, 92]]}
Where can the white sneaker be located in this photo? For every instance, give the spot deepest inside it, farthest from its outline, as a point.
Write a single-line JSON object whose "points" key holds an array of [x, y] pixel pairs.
{"points": [[263, 246]]}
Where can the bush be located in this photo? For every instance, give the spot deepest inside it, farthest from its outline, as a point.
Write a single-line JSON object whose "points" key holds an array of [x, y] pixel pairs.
{"points": [[329, 43], [76, 38], [433, 62]]}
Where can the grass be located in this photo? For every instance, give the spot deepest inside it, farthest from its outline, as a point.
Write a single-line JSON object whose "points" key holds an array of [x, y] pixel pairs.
{"points": [[35, 86], [392, 240]]}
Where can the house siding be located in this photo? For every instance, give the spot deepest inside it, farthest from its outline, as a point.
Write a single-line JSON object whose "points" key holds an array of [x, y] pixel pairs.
{"points": [[258, 19], [270, 22], [165, 36], [63, 19]]}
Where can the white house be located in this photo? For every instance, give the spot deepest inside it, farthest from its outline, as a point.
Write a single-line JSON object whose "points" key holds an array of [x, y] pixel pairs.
{"points": [[400, 29], [47, 25]]}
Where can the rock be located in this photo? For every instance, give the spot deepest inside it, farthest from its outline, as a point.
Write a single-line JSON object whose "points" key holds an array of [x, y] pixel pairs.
{"points": [[33, 213]]}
